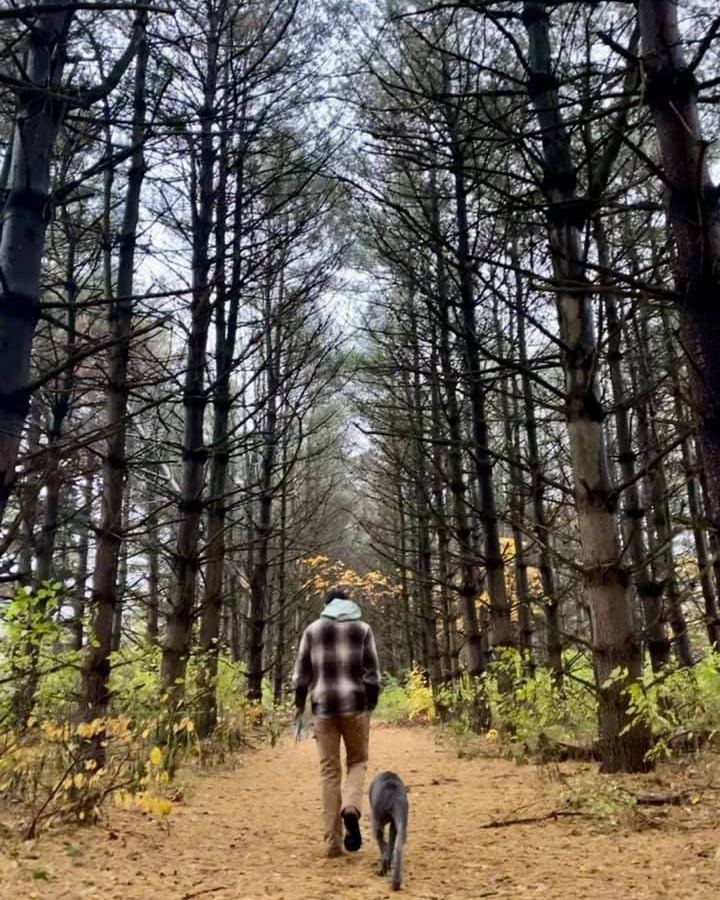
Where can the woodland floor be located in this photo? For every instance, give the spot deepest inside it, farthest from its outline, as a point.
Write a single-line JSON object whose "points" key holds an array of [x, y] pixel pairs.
{"points": [[253, 833]]}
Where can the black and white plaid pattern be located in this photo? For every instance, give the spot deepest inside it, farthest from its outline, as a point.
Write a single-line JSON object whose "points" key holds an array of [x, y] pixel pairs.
{"points": [[337, 662]]}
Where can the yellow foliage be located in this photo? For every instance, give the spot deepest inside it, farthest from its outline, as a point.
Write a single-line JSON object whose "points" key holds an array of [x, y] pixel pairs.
{"points": [[146, 801], [312, 562], [687, 567], [156, 757], [373, 587], [253, 714], [420, 699], [52, 770], [507, 548]]}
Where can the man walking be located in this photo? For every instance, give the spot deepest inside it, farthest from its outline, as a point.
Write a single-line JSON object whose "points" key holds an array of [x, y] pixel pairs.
{"points": [[337, 663]]}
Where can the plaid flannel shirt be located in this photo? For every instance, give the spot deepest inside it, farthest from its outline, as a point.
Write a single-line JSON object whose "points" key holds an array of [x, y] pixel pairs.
{"points": [[337, 663]]}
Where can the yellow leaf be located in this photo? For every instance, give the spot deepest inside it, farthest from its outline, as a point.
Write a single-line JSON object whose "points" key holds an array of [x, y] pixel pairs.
{"points": [[163, 807], [156, 757]]}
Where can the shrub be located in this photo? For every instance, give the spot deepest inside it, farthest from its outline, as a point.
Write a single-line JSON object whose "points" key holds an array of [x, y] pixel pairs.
{"points": [[393, 704], [407, 700], [52, 772], [536, 709], [680, 706], [421, 706]]}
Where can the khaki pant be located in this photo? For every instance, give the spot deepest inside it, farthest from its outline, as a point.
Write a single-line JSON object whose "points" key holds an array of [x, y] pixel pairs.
{"points": [[354, 732]]}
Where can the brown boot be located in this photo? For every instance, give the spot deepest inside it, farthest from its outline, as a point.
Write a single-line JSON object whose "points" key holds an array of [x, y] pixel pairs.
{"points": [[333, 850]]}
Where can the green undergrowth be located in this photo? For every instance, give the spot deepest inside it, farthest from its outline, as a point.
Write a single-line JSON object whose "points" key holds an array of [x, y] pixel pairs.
{"points": [[56, 766], [535, 717]]}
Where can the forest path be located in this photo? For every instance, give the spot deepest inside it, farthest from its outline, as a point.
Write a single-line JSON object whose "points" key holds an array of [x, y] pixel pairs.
{"points": [[253, 833]]}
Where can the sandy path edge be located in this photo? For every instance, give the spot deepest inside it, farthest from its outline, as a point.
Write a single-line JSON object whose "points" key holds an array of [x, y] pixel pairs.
{"points": [[254, 832]]}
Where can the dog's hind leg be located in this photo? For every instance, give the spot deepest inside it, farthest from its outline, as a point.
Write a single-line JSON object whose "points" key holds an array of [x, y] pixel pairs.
{"points": [[379, 832], [399, 856], [391, 845]]}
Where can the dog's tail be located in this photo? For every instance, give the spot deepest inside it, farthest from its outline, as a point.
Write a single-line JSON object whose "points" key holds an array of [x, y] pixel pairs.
{"points": [[400, 823]]}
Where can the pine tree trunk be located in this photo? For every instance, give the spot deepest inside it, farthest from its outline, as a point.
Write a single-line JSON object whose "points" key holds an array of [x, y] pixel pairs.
{"points": [[262, 527], [501, 626], [181, 602], [650, 599], [424, 579], [25, 217], [81, 572], [712, 536], [623, 745], [96, 672], [152, 630], [658, 497], [60, 410], [408, 641], [469, 588], [541, 525], [123, 567], [693, 213], [509, 406], [281, 641], [211, 605], [693, 487], [449, 654], [52, 481]]}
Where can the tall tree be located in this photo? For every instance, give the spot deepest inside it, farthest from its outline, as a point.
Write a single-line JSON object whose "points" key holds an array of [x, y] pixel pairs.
{"points": [[693, 207], [110, 533], [41, 105]]}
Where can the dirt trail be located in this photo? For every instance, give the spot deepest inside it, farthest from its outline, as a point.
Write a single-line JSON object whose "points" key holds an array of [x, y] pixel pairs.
{"points": [[254, 833]]}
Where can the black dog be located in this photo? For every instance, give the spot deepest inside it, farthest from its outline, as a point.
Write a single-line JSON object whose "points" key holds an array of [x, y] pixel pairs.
{"points": [[389, 806]]}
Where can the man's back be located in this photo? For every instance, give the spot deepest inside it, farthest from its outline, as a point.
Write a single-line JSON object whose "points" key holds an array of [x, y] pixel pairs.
{"points": [[337, 662]]}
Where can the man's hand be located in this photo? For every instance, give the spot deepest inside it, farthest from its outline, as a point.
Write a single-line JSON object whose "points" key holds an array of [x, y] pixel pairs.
{"points": [[298, 722]]}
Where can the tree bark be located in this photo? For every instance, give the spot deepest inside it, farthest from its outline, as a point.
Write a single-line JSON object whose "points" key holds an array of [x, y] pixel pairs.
{"points": [[541, 522], [123, 569], [181, 602], [96, 671], [450, 648], [83, 548], [509, 406], [25, 218], [262, 526], [59, 413], [694, 496], [648, 592], [424, 579], [623, 745], [693, 214], [501, 626], [281, 613], [152, 630], [661, 528], [225, 330], [404, 568], [712, 534], [469, 589]]}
